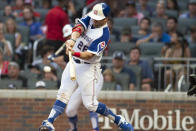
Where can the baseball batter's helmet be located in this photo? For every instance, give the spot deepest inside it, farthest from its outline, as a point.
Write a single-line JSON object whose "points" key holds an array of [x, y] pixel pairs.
{"points": [[100, 11]]}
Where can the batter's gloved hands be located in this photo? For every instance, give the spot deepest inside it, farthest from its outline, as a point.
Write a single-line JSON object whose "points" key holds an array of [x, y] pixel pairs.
{"points": [[70, 43], [69, 46], [51, 57], [192, 87]]}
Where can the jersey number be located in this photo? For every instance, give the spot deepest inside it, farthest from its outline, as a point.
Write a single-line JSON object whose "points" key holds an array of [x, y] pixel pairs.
{"points": [[82, 47]]}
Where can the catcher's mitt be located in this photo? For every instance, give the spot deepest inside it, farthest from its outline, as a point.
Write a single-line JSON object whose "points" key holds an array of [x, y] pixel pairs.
{"points": [[192, 87]]}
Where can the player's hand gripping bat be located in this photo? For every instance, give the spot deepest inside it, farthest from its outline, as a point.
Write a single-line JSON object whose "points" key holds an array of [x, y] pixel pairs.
{"points": [[72, 66]]}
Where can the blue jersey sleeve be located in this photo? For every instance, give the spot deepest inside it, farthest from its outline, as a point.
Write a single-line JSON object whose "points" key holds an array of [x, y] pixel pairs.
{"points": [[98, 45], [84, 21]]}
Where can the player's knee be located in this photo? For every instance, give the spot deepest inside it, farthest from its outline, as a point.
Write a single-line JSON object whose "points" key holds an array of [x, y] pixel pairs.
{"points": [[67, 111], [70, 113], [91, 107], [63, 97]]}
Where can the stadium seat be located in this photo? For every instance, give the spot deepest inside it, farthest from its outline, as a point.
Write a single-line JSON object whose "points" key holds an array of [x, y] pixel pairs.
{"points": [[50, 84], [43, 13], [24, 32], [1, 14], [123, 79], [152, 4], [151, 49], [4, 18], [31, 84], [113, 38], [109, 86], [28, 74], [54, 3], [10, 84], [18, 20], [125, 47], [2, 4], [163, 21], [146, 13], [38, 3], [192, 47], [185, 24], [10, 38], [121, 22], [183, 4], [137, 70], [134, 29], [155, 1], [172, 13]]}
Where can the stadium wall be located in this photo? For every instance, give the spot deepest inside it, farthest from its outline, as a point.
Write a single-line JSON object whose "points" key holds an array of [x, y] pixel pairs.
{"points": [[24, 110]]}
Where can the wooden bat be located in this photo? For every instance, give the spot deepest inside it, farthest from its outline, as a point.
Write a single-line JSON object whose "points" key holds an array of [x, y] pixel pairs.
{"points": [[60, 49], [72, 67], [52, 56]]}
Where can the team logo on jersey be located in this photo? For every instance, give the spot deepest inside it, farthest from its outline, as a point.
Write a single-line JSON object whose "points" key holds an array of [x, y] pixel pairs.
{"points": [[102, 45], [95, 12]]}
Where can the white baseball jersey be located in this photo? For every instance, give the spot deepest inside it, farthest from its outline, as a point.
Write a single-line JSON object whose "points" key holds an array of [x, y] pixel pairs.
{"points": [[88, 76], [93, 40]]}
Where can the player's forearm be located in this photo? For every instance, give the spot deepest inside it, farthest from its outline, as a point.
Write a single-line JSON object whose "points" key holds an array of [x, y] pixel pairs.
{"points": [[83, 55], [77, 31], [75, 35]]}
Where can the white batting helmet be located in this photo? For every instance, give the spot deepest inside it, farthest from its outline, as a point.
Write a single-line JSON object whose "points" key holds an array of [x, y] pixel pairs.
{"points": [[99, 11]]}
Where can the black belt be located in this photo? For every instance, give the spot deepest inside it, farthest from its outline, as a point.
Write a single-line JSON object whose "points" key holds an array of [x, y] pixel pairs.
{"points": [[80, 62]]}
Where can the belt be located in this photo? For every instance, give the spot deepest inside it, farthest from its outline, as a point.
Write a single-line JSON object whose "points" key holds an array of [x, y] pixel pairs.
{"points": [[80, 62]]}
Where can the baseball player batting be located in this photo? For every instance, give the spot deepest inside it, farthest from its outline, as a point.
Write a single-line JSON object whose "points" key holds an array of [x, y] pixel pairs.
{"points": [[76, 99], [88, 40]]}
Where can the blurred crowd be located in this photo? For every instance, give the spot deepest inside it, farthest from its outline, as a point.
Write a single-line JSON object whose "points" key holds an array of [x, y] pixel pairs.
{"points": [[32, 30]]}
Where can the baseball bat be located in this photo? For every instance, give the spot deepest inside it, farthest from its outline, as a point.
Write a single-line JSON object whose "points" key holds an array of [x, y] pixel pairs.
{"points": [[60, 49], [52, 56], [72, 67]]}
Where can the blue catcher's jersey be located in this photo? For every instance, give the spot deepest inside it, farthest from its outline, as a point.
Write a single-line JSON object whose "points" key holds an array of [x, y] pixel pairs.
{"points": [[93, 40]]}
